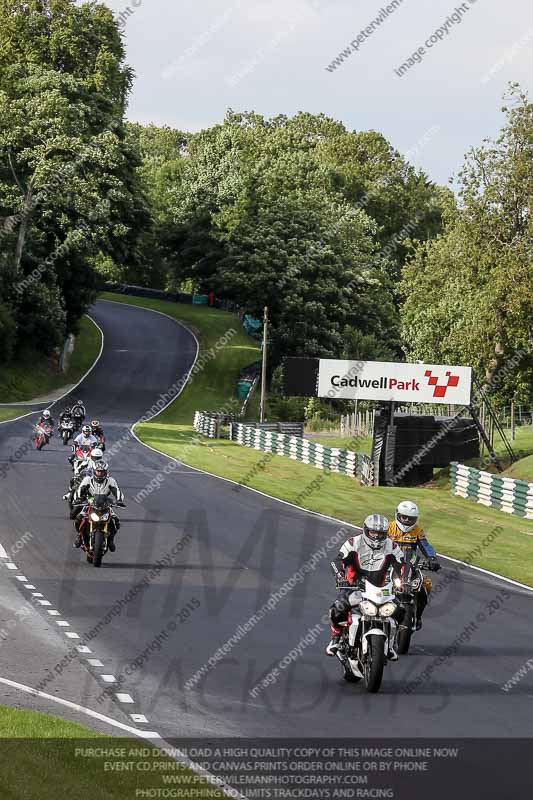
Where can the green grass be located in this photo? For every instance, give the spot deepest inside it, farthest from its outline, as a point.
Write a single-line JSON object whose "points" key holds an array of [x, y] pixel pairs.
{"points": [[11, 413], [39, 760], [32, 375], [522, 469], [455, 525]]}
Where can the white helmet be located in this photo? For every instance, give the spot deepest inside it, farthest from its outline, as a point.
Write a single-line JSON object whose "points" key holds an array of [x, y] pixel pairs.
{"points": [[46, 414], [407, 514], [97, 454], [375, 530]]}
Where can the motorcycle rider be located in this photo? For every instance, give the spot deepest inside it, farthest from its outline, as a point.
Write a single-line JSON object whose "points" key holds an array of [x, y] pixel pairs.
{"points": [[79, 413], [98, 484], [46, 421], [405, 531], [65, 415], [98, 431], [370, 554], [82, 469], [83, 439]]}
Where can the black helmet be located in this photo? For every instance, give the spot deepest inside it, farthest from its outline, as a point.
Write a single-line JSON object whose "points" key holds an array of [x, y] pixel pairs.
{"points": [[375, 530], [101, 471], [67, 410]]}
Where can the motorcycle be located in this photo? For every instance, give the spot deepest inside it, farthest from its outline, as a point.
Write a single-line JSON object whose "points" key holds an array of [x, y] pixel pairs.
{"points": [[406, 588], [66, 430], [79, 419], [81, 470], [41, 435], [80, 452], [369, 632], [95, 524]]}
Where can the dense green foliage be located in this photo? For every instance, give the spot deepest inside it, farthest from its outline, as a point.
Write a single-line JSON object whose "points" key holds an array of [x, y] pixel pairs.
{"points": [[298, 214], [355, 252], [469, 292], [69, 191]]}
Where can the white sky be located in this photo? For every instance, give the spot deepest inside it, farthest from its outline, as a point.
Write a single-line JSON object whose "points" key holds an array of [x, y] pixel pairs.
{"points": [[196, 58]]}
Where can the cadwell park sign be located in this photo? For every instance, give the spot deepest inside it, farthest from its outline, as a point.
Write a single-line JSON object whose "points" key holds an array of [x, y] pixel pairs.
{"points": [[394, 382]]}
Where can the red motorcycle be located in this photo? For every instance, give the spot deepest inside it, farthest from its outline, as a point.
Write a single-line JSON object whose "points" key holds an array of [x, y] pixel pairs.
{"points": [[42, 434], [80, 452]]}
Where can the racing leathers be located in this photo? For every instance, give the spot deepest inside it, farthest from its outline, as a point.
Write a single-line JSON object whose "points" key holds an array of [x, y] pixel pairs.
{"points": [[410, 542], [79, 414], [89, 487], [84, 442], [359, 560]]}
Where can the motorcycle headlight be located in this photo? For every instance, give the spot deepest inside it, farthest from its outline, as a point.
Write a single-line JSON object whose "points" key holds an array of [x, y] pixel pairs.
{"points": [[105, 516], [398, 583], [387, 609], [368, 608], [95, 517]]}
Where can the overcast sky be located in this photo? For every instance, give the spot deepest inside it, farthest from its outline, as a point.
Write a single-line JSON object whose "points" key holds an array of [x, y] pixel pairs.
{"points": [[194, 59]]}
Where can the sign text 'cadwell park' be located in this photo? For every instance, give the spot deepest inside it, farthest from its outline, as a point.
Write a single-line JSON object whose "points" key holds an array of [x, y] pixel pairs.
{"points": [[383, 380]]}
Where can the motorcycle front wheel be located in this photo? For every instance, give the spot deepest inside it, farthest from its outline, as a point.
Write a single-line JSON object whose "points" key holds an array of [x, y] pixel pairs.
{"points": [[98, 551], [374, 664], [405, 631]]}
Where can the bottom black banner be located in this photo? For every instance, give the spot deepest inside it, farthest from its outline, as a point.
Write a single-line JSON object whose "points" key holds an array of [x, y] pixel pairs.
{"points": [[296, 769]]}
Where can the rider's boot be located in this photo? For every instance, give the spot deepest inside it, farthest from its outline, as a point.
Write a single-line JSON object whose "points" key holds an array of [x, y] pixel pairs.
{"points": [[333, 646]]}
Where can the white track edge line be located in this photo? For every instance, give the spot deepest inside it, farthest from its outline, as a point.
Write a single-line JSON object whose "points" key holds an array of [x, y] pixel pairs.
{"points": [[82, 709]]}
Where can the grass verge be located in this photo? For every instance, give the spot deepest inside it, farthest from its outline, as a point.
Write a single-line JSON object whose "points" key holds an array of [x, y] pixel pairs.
{"points": [[455, 526], [32, 375], [11, 413], [44, 756]]}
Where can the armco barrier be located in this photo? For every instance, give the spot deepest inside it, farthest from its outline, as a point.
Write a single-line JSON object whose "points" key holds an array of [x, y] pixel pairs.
{"points": [[334, 459], [497, 491], [208, 423]]}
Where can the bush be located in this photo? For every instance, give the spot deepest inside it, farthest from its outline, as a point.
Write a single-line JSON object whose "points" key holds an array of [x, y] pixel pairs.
{"points": [[8, 335], [286, 409]]}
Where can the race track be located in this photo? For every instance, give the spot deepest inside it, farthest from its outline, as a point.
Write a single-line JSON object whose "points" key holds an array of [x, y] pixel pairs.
{"points": [[237, 548]]}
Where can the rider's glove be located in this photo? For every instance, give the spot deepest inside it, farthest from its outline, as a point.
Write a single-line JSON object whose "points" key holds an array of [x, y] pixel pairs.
{"points": [[66, 496], [434, 565]]}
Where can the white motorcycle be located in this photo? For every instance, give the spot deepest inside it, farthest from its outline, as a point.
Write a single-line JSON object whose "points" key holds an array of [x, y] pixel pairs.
{"points": [[367, 640]]}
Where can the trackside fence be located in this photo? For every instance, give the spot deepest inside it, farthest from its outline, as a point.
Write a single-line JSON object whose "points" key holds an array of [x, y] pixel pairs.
{"points": [[208, 423], [497, 491], [334, 459]]}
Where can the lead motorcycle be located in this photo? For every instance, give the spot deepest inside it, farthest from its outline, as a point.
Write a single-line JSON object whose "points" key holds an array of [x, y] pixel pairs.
{"points": [[96, 522], [368, 636]]}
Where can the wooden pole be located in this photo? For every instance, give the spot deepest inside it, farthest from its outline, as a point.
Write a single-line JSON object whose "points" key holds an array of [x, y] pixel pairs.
{"points": [[513, 431], [264, 365]]}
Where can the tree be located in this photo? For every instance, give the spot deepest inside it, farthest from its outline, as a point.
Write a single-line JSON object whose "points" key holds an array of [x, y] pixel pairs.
{"points": [[469, 294], [280, 212], [68, 186]]}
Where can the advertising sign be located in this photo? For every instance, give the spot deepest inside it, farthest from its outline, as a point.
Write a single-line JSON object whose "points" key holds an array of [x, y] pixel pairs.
{"points": [[400, 383]]}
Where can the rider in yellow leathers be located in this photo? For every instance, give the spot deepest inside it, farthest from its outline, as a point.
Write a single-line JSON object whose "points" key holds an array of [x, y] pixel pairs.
{"points": [[410, 536]]}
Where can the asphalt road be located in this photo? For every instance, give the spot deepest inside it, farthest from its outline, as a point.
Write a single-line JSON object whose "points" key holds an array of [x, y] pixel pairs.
{"points": [[234, 550]]}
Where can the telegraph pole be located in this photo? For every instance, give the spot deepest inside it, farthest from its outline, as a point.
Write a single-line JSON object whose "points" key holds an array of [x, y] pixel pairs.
{"points": [[264, 365]]}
